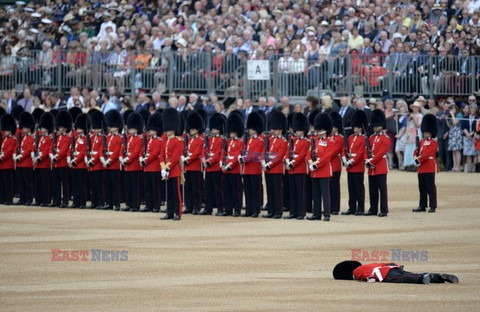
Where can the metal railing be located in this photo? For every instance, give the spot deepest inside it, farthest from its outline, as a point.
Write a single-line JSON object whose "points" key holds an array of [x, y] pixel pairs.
{"points": [[226, 74]]}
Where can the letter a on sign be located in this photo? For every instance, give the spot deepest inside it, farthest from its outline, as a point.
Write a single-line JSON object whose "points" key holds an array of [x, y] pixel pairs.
{"points": [[258, 70]]}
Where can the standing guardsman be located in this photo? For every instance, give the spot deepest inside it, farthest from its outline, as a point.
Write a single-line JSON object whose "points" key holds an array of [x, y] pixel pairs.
{"points": [[23, 158], [8, 146], [212, 160], [192, 163], [60, 172], [131, 162], [232, 190], [110, 159], [296, 165], [273, 162], [338, 144], [76, 161], [321, 167], [41, 160], [252, 169], [426, 162], [170, 162], [354, 160], [150, 162], [94, 164], [376, 163]]}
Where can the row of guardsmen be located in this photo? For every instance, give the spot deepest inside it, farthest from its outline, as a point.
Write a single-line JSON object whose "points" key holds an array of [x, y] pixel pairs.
{"points": [[184, 159]]}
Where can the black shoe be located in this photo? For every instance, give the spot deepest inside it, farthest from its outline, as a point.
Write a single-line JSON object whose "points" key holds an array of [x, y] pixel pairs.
{"points": [[314, 217], [277, 216], [146, 209], [81, 207], [176, 218], [10, 203], [195, 212], [125, 209], [290, 217], [134, 209], [72, 206], [335, 213], [254, 215], [449, 278], [326, 218], [419, 209], [300, 218], [187, 211], [166, 217], [163, 210], [426, 279], [359, 213], [346, 213], [382, 214], [370, 213], [116, 208], [53, 205], [236, 214], [204, 213], [30, 204], [91, 206], [20, 203], [155, 210], [246, 215], [41, 205], [63, 206], [268, 216], [431, 210]]}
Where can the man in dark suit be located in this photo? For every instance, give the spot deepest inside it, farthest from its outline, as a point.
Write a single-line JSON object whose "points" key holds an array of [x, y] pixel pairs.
{"points": [[339, 69], [361, 104], [143, 102], [346, 112], [193, 100], [444, 156], [57, 101]]}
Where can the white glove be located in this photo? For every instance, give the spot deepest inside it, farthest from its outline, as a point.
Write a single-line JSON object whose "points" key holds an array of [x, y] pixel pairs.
{"points": [[263, 164], [371, 280], [164, 173], [349, 163], [344, 160], [240, 158], [182, 159], [68, 159], [311, 167], [103, 161]]}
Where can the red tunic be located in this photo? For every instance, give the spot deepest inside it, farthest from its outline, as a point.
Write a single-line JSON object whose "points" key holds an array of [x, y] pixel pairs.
{"points": [[277, 150], [8, 148], [80, 152], [96, 152], [26, 150], [114, 150], [194, 153], [380, 143], [154, 148], [170, 156], [63, 151], [300, 151], [45, 145], [234, 149], [428, 156], [215, 153], [134, 152], [376, 270], [323, 154], [356, 148], [338, 145], [254, 154]]}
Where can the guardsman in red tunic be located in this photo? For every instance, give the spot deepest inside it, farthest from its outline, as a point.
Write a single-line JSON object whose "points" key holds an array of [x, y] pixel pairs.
{"points": [[60, 171], [212, 160], [377, 165], [338, 147], [8, 146], [387, 273], [296, 165], [426, 162], [320, 167], [354, 160], [252, 169], [308, 184], [110, 160], [150, 162], [41, 160], [76, 161], [131, 163], [170, 162], [273, 164], [94, 164], [192, 163], [232, 190], [23, 159]]}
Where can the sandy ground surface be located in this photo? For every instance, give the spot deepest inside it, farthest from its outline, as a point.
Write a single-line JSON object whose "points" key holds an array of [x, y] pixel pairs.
{"points": [[241, 264]]}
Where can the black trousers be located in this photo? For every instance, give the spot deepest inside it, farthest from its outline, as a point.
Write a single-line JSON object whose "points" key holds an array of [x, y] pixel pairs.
{"points": [[112, 187], [286, 192], [8, 181], [97, 187], [397, 275], [321, 194], [193, 186], [233, 193], [428, 189], [79, 187], [377, 187], [335, 192], [25, 185], [308, 194], [43, 192], [152, 190], [163, 189], [252, 189], [213, 191], [132, 191], [274, 193], [356, 191], [297, 194], [174, 197], [60, 185]]}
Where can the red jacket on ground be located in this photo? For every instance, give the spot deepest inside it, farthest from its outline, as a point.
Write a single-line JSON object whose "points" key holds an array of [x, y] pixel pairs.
{"points": [[356, 148], [7, 149], [277, 150], [134, 152], [428, 156], [154, 148], [234, 149], [376, 270], [170, 157], [214, 156], [380, 143], [338, 145], [300, 151], [26, 150], [323, 154], [254, 154]]}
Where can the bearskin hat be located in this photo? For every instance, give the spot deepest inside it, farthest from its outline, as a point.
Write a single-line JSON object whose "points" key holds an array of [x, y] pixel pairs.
{"points": [[235, 123], [98, 120], [217, 121], [300, 123], [359, 119], [289, 120], [125, 115], [16, 111], [47, 121], [239, 113], [145, 115], [54, 112], [64, 119], [204, 116], [37, 113], [311, 117], [337, 121], [2, 111], [256, 122], [8, 123], [277, 121], [430, 124], [171, 121], [83, 122], [74, 112], [323, 122], [26, 120], [114, 119], [195, 121], [344, 270], [135, 121], [378, 119], [264, 117], [183, 120], [155, 123]]}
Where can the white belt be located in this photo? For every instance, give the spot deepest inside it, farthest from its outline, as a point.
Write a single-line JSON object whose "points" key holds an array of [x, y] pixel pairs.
{"points": [[94, 153], [230, 157]]}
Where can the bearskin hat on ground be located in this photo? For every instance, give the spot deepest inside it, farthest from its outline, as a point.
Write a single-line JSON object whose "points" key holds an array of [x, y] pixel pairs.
{"points": [[344, 270]]}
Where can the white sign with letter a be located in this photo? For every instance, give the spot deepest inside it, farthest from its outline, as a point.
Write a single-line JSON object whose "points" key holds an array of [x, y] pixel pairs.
{"points": [[258, 70]]}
